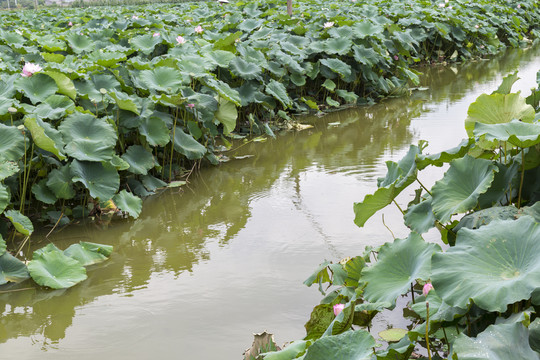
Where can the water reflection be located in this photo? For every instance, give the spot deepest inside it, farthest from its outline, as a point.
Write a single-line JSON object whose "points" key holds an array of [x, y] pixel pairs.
{"points": [[167, 265]]}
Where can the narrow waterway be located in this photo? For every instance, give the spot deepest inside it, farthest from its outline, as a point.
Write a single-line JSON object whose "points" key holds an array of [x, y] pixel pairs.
{"points": [[206, 266]]}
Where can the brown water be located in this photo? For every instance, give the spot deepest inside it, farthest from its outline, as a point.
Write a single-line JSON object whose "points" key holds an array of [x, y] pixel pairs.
{"points": [[205, 267]]}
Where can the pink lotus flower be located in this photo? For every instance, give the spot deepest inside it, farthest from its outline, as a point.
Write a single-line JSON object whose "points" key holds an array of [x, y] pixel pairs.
{"points": [[180, 40], [199, 29], [134, 17], [427, 288], [29, 69], [477, 26], [191, 106], [519, 6], [70, 23], [155, 35], [338, 308], [396, 57], [328, 25]]}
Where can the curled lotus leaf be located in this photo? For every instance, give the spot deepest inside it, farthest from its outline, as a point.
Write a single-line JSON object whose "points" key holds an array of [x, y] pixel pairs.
{"points": [[45, 136], [337, 66], [439, 159], [220, 58], [64, 83], [88, 137], [399, 265], [60, 183], [21, 223], [419, 217], [43, 193], [461, 186], [56, 270], [145, 43], [290, 352], [12, 269], [498, 109], [223, 90], [87, 253], [497, 342], [227, 115], [101, 179], [80, 43], [494, 266], [245, 70]]}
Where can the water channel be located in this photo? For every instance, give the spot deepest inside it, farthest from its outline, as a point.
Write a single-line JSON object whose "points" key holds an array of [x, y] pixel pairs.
{"points": [[207, 265]]}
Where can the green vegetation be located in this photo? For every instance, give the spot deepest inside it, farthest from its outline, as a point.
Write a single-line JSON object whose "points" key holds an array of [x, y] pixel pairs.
{"points": [[478, 297]]}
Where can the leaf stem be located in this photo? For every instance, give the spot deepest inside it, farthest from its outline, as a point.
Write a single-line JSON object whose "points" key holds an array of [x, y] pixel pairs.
{"points": [[172, 144], [422, 185], [522, 175], [427, 330], [399, 207]]}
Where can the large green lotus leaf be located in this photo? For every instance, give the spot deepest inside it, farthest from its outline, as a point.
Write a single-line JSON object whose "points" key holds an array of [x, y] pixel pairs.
{"points": [[51, 43], [498, 109], [60, 183], [12, 269], [145, 43], [495, 265], [129, 203], [279, 92], [193, 66], [227, 115], [366, 29], [139, 159], [87, 253], [246, 70], [420, 218], [223, 89], [56, 270], [162, 79], [399, 176], [340, 46], [5, 197], [87, 137], [439, 159], [220, 58], [41, 138], [55, 107], [12, 143], [42, 192], [37, 87], [459, 189], [155, 131], [21, 223], [515, 132], [399, 264], [64, 83], [101, 179], [497, 342], [351, 345], [250, 24], [124, 101], [107, 58], [152, 183], [187, 145], [290, 352], [80, 43], [8, 168], [337, 66]]}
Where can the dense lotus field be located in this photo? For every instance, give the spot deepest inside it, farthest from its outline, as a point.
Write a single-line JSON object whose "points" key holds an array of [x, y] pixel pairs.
{"points": [[100, 107]]}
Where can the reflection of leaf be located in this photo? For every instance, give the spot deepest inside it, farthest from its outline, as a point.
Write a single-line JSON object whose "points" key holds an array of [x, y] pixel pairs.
{"points": [[399, 264], [495, 265]]}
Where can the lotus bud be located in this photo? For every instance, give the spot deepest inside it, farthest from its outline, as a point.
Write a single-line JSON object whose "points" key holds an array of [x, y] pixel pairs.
{"points": [[338, 308], [427, 288]]}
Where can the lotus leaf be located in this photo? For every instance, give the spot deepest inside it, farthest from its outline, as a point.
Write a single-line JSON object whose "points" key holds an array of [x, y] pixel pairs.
{"points": [[337, 66], [246, 70], [2, 245], [80, 43], [399, 265], [124, 101], [339, 46], [5, 197], [534, 335], [365, 29], [357, 345], [220, 58], [393, 335], [227, 115], [162, 79], [278, 91], [64, 83], [145, 43], [60, 183], [497, 342], [40, 134], [139, 159], [420, 218], [498, 109], [459, 189], [37, 88], [56, 270], [88, 138], [101, 179], [515, 132], [223, 89], [187, 145], [321, 318], [399, 176], [21, 223], [290, 352], [438, 309], [152, 183], [506, 85], [155, 131], [43, 193], [12, 144], [495, 265], [12, 269], [87, 253], [8, 168]]}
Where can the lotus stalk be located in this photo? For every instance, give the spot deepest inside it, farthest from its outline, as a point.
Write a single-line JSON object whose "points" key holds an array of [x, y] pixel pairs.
{"points": [[522, 176], [427, 330]]}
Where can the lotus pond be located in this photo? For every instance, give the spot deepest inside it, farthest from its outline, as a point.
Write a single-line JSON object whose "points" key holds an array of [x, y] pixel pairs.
{"points": [[201, 269]]}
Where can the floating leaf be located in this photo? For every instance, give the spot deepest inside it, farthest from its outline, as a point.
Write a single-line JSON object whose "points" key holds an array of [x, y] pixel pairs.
{"points": [[87, 253], [101, 179], [495, 265], [21, 223], [56, 270], [12, 269], [129, 203], [458, 191], [399, 265], [393, 335]]}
